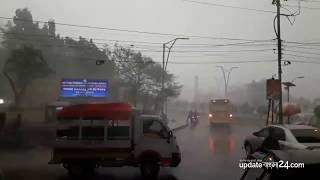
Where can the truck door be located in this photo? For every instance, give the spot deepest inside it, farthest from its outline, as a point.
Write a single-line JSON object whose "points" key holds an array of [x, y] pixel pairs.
{"points": [[155, 139]]}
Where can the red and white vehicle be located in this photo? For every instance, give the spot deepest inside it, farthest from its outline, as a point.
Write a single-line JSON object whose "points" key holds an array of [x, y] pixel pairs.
{"points": [[220, 111], [112, 135]]}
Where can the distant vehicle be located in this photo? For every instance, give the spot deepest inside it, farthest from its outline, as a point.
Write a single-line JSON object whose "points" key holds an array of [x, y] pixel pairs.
{"points": [[289, 137], [112, 135], [220, 111]]}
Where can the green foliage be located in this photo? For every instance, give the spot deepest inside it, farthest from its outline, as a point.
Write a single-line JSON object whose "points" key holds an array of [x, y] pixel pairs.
{"points": [[142, 76], [257, 92], [24, 65], [30, 44]]}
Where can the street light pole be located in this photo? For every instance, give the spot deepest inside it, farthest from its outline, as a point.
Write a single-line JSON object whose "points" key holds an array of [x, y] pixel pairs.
{"points": [[164, 68], [226, 80]]}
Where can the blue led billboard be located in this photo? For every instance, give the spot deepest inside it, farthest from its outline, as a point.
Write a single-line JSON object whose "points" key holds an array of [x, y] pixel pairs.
{"points": [[84, 88]]}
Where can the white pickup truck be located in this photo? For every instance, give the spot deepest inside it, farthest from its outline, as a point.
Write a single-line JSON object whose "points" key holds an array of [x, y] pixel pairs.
{"points": [[112, 135]]}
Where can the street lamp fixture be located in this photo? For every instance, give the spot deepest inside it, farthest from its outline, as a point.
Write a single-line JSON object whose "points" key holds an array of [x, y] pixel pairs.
{"points": [[173, 41], [226, 78], [299, 77], [165, 64]]}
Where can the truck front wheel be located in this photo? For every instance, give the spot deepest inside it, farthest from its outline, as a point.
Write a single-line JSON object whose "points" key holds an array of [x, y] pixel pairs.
{"points": [[150, 169]]}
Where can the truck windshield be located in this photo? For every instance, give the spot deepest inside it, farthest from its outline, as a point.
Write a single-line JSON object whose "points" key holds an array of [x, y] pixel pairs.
{"points": [[153, 128]]}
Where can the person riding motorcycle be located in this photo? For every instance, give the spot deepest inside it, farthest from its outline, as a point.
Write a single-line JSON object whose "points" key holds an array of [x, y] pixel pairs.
{"points": [[195, 116], [189, 117]]}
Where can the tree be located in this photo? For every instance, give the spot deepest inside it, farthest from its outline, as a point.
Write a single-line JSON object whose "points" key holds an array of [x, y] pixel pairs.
{"points": [[256, 92], [137, 74], [131, 67], [142, 77], [22, 67], [246, 108], [66, 56], [317, 113]]}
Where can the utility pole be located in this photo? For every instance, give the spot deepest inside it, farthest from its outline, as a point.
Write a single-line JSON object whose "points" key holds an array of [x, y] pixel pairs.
{"points": [[162, 78], [278, 33], [164, 68]]}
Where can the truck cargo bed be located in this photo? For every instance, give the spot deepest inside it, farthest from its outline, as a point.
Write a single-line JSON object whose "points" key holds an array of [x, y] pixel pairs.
{"points": [[64, 151]]}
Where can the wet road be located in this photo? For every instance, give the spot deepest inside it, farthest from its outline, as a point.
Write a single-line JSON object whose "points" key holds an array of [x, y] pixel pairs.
{"points": [[207, 153], [213, 152]]}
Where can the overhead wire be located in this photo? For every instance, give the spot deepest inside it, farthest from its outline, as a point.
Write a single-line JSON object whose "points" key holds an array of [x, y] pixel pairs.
{"points": [[302, 52], [150, 44], [301, 47], [302, 7], [228, 6], [131, 31], [300, 56], [142, 49]]}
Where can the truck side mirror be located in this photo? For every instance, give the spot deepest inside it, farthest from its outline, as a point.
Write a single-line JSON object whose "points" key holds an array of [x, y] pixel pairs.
{"points": [[170, 134]]}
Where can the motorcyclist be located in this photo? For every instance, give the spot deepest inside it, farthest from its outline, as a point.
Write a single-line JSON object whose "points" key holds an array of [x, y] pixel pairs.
{"points": [[189, 117], [196, 114]]}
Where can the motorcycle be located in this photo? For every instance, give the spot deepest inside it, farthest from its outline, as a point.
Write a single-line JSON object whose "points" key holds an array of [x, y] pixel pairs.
{"points": [[195, 119]]}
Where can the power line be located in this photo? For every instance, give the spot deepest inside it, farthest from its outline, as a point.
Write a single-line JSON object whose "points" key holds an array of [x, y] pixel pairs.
{"points": [[303, 43], [305, 62], [210, 51], [153, 44], [141, 49], [131, 31], [307, 1], [216, 62], [303, 52], [173, 62], [224, 62], [303, 7], [228, 6], [307, 57], [302, 47]]}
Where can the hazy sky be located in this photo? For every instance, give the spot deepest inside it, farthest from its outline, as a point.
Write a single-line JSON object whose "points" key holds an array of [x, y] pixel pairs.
{"points": [[181, 17]]}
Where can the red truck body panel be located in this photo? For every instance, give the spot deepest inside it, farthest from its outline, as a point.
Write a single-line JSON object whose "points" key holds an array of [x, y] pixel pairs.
{"points": [[114, 111]]}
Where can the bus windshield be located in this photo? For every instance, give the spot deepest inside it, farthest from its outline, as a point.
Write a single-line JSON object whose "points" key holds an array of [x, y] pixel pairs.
{"points": [[220, 106]]}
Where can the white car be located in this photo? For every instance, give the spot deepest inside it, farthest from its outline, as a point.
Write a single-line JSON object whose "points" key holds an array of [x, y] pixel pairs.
{"points": [[289, 137]]}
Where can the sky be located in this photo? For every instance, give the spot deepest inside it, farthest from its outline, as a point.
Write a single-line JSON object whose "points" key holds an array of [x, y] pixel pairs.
{"points": [[218, 23]]}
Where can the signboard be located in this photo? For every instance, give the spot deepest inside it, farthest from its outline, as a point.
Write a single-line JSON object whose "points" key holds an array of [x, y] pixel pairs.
{"points": [[84, 88], [273, 89]]}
